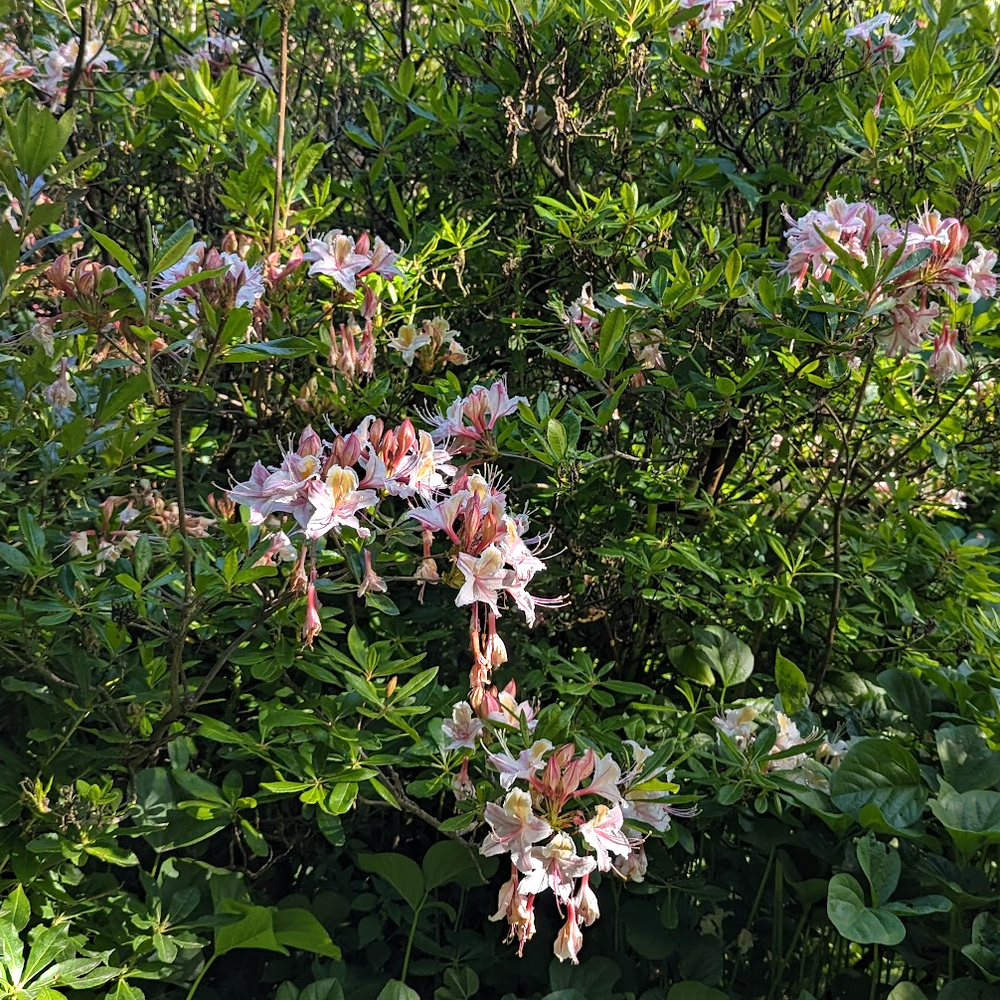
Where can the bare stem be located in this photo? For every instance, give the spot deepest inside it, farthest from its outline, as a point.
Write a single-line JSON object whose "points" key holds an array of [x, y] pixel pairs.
{"points": [[279, 153]]}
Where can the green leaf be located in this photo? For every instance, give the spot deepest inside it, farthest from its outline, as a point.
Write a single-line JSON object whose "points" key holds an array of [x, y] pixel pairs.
{"points": [[16, 909], [908, 693], [695, 662], [791, 684], [15, 559], [124, 991], [395, 990], [879, 772], [968, 989], [118, 252], [734, 268], [173, 248], [555, 434], [37, 137], [401, 872], [298, 928], [845, 906], [49, 945], [972, 818], [968, 763], [11, 949], [871, 130], [255, 929], [735, 657], [406, 75], [985, 947], [32, 534], [695, 991], [881, 866], [448, 861], [283, 347], [907, 991]]}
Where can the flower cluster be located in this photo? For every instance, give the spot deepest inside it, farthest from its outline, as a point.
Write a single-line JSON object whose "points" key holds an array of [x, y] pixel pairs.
{"points": [[220, 52], [14, 65], [425, 346], [117, 532], [493, 558], [583, 318], [239, 285], [346, 260], [707, 16], [740, 726], [935, 245], [324, 487], [565, 813], [469, 422], [60, 61], [877, 41]]}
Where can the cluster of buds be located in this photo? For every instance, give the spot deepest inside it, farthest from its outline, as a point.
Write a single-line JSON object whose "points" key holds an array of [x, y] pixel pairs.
{"points": [[220, 52], [426, 345], [935, 244], [566, 813], [352, 350], [492, 558], [707, 16], [740, 727], [84, 287], [115, 533]]}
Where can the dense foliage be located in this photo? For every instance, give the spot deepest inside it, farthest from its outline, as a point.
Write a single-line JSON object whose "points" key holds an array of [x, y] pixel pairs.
{"points": [[499, 499]]}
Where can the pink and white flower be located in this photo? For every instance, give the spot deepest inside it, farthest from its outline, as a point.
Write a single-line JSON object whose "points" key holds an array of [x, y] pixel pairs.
{"points": [[604, 834], [463, 729], [514, 827], [555, 866], [946, 360]]}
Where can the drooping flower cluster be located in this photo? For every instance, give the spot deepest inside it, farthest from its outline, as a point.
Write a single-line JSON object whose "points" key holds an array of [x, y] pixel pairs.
{"points": [[426, 345], [935, 245], [878, 41], [740, 726], [565, 813], [493, 558]]}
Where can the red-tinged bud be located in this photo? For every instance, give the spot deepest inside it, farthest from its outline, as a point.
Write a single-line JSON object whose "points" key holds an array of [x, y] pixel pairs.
{"points": [[312, 626], [310, 443], [229, 243], [58, 274], [406, 437], [363, 246]]}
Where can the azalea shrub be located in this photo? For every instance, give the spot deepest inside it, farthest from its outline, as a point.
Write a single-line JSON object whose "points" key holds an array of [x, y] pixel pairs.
{"points": [[499, 500]]}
